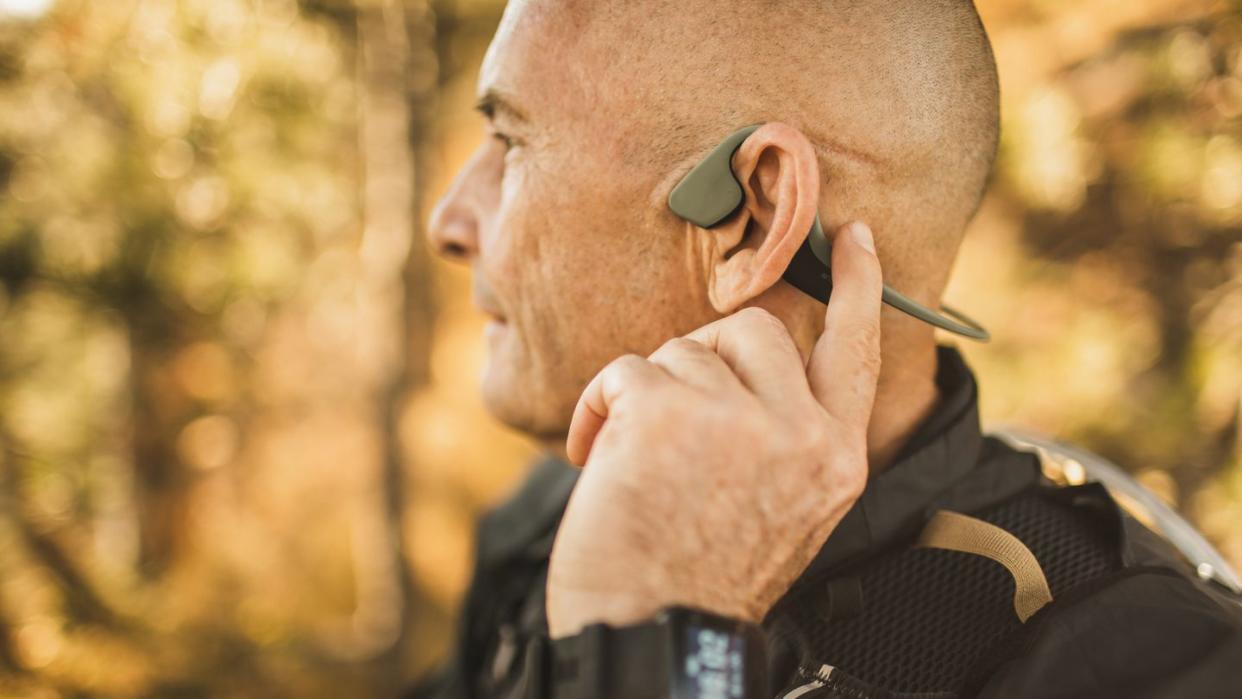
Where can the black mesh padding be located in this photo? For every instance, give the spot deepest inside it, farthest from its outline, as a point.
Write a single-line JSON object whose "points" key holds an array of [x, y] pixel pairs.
{"points": [[1073, 544], [929, 615]]}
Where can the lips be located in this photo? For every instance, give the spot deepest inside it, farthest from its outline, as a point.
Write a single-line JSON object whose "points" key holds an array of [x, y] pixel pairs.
{"points": [[485, 301]]}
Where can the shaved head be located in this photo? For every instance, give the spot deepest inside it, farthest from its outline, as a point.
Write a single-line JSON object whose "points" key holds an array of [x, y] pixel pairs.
{"points": [[883, 111], [899, 97]]}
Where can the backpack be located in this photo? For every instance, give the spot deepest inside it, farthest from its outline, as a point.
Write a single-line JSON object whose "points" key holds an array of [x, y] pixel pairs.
{"points": [[938, 614]]}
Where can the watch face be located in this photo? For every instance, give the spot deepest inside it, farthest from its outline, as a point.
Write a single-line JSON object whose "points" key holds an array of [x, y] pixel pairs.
{"points": [[715, 657], [713, 664]]}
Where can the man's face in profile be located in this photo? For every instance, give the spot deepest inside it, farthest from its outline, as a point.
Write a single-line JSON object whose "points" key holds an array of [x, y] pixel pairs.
{"points": [[572, 256], [596, 109]]}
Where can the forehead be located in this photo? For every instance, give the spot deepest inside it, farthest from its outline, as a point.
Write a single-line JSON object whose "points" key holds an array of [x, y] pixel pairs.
{"points": [[534, 58], [588, 77]]}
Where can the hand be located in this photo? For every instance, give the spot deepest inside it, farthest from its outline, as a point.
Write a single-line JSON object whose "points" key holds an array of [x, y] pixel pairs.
{"points": [[715, 469]]}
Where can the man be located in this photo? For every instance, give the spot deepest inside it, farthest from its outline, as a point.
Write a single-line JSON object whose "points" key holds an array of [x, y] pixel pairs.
{"points": [[814, 479]]}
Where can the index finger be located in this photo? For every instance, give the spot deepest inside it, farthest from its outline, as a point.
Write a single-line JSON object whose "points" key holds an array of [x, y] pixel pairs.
{"points": [[626, 373], [845, 362]]}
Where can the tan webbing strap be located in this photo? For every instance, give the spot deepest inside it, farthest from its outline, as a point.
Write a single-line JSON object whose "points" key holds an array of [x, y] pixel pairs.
{"points": [[957, 532]]}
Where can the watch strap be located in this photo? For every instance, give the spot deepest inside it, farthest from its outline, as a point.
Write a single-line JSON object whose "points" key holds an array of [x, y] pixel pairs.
{"points": [[682, 653], [602, 662]]}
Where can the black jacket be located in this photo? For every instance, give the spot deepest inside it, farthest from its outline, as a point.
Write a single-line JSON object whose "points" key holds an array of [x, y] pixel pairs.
{"points": [[875, 616]]}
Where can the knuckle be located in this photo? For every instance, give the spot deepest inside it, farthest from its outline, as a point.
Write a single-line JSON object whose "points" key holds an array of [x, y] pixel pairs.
{"points": [[683, 352], [755, 314], [760, 320], [853, 480], [865, 343], [682, 345], [623, 369], [625, 363], [816, 440], [846, 472], [872, 363], [838, 455]]}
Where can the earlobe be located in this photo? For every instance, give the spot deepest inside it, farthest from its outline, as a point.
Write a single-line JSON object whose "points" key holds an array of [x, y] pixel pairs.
{"points": [[779, 175]]}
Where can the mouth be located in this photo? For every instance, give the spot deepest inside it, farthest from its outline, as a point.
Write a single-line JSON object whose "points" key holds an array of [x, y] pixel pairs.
{"points": [[493, 316], [485, 301]]}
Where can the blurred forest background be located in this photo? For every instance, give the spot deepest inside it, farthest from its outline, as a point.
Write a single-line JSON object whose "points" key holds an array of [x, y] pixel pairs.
{"points": [[240, 445]]}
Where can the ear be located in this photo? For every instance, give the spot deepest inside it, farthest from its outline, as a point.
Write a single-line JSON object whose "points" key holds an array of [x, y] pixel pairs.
{"points": [[779, 174]]}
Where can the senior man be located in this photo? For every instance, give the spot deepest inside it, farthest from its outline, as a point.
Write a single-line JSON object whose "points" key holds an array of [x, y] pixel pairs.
{"points": [[776, 498]]}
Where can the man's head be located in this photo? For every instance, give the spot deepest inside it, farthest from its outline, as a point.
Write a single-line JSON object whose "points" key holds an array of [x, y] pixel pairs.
{"points": [[878, 110]]}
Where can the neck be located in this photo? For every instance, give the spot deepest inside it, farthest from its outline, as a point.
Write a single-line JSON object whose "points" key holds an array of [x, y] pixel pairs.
{"points": [[905, 397]]}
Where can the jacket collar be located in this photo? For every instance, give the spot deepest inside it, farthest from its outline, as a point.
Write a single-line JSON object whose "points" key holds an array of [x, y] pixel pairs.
{"points": [[525, 524], [944, 451], [947, 464]]}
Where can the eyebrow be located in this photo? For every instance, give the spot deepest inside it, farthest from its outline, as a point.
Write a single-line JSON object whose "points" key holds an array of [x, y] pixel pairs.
{"points": [[493, 102]]}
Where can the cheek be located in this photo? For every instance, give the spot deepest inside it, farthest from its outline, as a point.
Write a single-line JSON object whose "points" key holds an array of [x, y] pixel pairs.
{"points": [[537, 243], [584, 276], [523, 262]]}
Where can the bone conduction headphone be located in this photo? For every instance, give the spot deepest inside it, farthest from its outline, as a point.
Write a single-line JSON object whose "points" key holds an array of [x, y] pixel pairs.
{"points": [[711, 193]]}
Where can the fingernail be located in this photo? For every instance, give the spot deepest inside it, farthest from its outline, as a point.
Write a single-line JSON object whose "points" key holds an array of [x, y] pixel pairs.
{"points": [[862, 235]]}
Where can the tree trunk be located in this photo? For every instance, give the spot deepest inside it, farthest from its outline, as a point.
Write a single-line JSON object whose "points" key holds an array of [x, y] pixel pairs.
{"points": [[395, 264]]}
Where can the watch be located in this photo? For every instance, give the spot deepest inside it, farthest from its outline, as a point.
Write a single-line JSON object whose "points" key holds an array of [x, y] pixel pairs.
{"points": [[681, 654]]}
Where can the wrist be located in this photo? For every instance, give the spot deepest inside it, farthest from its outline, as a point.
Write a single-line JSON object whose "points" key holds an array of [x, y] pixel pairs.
{"points": [[569, 610]]}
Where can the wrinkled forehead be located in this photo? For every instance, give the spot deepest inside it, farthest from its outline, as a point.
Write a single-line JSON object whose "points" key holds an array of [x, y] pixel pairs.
{"points": [[601, 80], [536, 57]]}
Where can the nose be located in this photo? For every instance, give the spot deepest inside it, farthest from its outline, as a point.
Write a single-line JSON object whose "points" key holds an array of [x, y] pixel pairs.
{"points": [[453, 229]]}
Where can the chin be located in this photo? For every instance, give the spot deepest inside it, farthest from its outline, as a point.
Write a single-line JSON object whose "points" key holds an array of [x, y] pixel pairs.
{"points": [[522, 402]]}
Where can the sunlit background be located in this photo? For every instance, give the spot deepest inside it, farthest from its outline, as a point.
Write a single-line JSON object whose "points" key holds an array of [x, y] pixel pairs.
{"points": [[241, 449]]}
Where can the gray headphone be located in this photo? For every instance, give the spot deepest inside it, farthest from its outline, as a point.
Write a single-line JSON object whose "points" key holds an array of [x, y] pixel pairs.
{"points": [[710, 193]]}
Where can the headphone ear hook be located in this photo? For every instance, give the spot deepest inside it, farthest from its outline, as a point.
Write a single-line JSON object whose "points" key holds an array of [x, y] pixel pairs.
{"points": [[711, 193]]}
